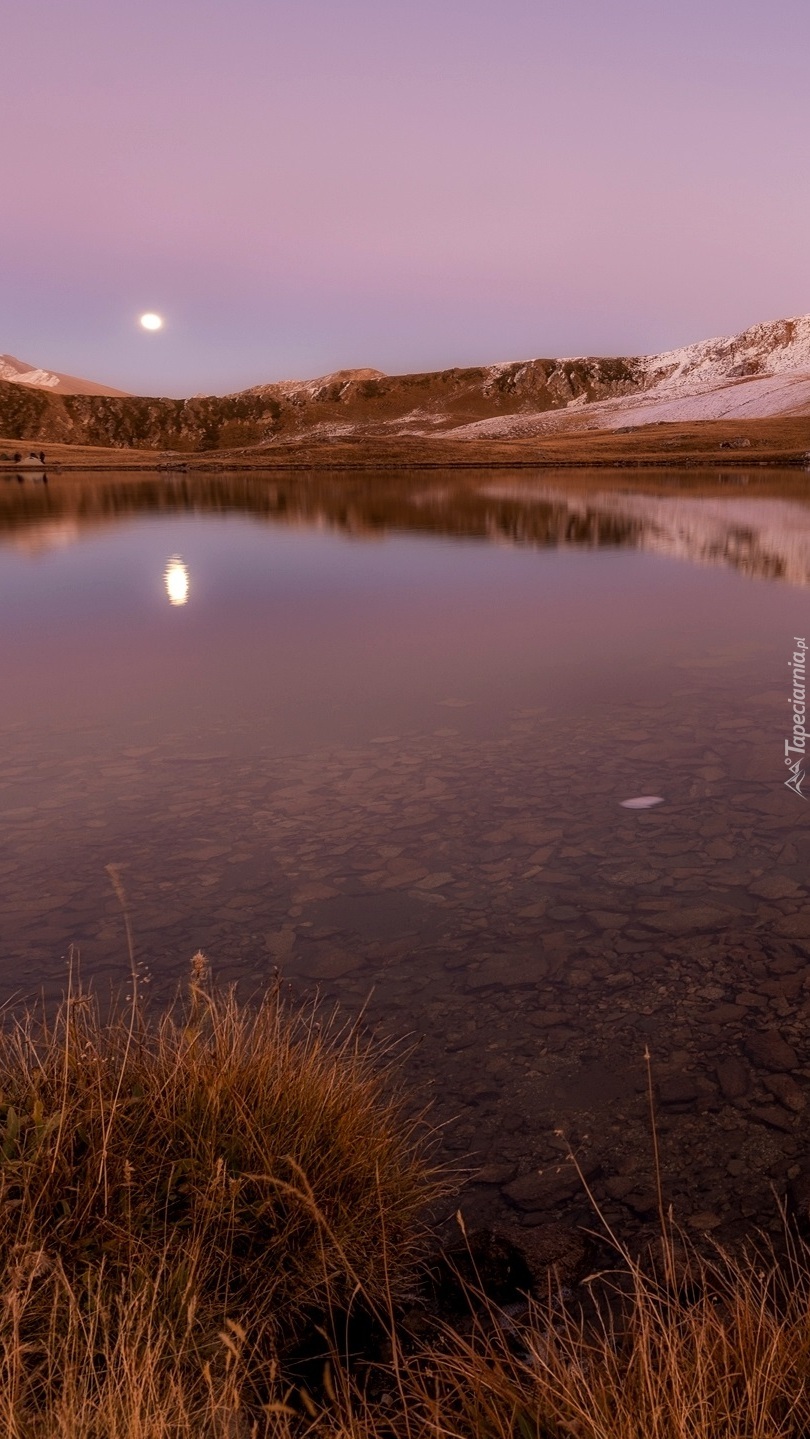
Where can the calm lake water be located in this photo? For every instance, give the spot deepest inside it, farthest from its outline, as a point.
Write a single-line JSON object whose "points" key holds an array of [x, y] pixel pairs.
{"points": [[379, 742]]}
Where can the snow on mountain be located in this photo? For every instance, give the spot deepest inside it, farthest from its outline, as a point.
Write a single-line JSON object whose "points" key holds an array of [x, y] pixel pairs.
{"points": [[768, 395], [768, 349], [18, 372], [22, 374], [762, 372], [765, 371]]}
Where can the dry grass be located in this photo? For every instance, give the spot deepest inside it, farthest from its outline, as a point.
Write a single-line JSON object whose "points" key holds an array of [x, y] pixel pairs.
{"points": [[725, 1355], [728, 1361], [167, 1191], [178, 1205]]}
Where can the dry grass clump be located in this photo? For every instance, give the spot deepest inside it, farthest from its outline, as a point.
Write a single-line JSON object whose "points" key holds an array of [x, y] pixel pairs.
{"points": [[168, 1191], [723, 1355]]}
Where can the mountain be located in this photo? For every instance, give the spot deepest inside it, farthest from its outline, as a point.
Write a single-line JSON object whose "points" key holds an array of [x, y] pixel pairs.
{"points": [[765, 371], [18, 372]]}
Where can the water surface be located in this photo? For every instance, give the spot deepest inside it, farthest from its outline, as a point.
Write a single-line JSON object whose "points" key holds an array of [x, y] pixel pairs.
{"points": [[382, 748]]}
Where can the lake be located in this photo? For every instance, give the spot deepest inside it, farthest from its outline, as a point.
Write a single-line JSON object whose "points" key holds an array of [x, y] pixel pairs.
{"points": [[374, 732]]}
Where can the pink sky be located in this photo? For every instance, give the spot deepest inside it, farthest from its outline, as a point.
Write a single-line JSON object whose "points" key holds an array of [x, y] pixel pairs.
{"points": [[300, 186]]}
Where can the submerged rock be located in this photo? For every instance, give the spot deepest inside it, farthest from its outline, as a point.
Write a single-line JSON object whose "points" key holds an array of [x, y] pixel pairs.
{"points": [[733, 1078], [768, 1050]]}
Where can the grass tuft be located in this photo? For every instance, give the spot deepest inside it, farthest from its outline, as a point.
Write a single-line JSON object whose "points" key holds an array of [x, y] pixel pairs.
{"points": [[168, 1191], [725, 1356]]}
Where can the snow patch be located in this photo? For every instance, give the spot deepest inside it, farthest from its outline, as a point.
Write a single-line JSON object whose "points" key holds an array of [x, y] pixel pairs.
{"points": [[40, 379], [22, 374]]}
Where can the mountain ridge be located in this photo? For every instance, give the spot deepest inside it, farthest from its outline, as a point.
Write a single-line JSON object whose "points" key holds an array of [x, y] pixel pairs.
{"points": [[763, 371]]}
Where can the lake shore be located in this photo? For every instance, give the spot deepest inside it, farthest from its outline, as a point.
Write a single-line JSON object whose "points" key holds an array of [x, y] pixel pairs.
{"points": [[220, 1221], [717, 443]]}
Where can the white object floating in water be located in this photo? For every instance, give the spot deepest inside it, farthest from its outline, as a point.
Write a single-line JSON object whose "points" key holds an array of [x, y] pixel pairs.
{"points": [[642, 801]]}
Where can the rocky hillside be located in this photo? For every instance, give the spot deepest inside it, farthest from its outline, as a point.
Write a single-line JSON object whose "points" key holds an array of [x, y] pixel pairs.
{"points": [[764, 371], [134, 422], [326, 409]]}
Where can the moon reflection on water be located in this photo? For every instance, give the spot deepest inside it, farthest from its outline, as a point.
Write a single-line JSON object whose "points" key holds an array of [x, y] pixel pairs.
{"points": [[176, 579]]}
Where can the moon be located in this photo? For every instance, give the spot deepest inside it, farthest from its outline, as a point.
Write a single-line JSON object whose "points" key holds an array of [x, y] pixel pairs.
{"points": [[151, 321]]}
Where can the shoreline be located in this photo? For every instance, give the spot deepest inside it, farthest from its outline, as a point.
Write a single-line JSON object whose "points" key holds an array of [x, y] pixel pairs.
{"points": [[757, 444], [62, 467]]}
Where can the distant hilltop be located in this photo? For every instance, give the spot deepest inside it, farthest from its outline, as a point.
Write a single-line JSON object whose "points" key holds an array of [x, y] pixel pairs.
{"points": [[18, 372], [765, 371]]}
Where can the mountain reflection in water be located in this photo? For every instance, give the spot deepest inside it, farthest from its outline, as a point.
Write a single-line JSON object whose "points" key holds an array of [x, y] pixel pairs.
{"points": [[754, 522]]}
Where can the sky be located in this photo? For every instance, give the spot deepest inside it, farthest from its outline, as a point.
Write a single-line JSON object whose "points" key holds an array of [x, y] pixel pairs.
{"points": [[301, 186]]}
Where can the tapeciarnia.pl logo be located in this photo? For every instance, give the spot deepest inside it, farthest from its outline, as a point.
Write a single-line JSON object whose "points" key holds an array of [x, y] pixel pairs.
{"points": [[798, 701]]}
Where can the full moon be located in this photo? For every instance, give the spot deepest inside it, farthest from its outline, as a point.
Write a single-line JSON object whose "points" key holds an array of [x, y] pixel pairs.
{"points": [[150, 321]]}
